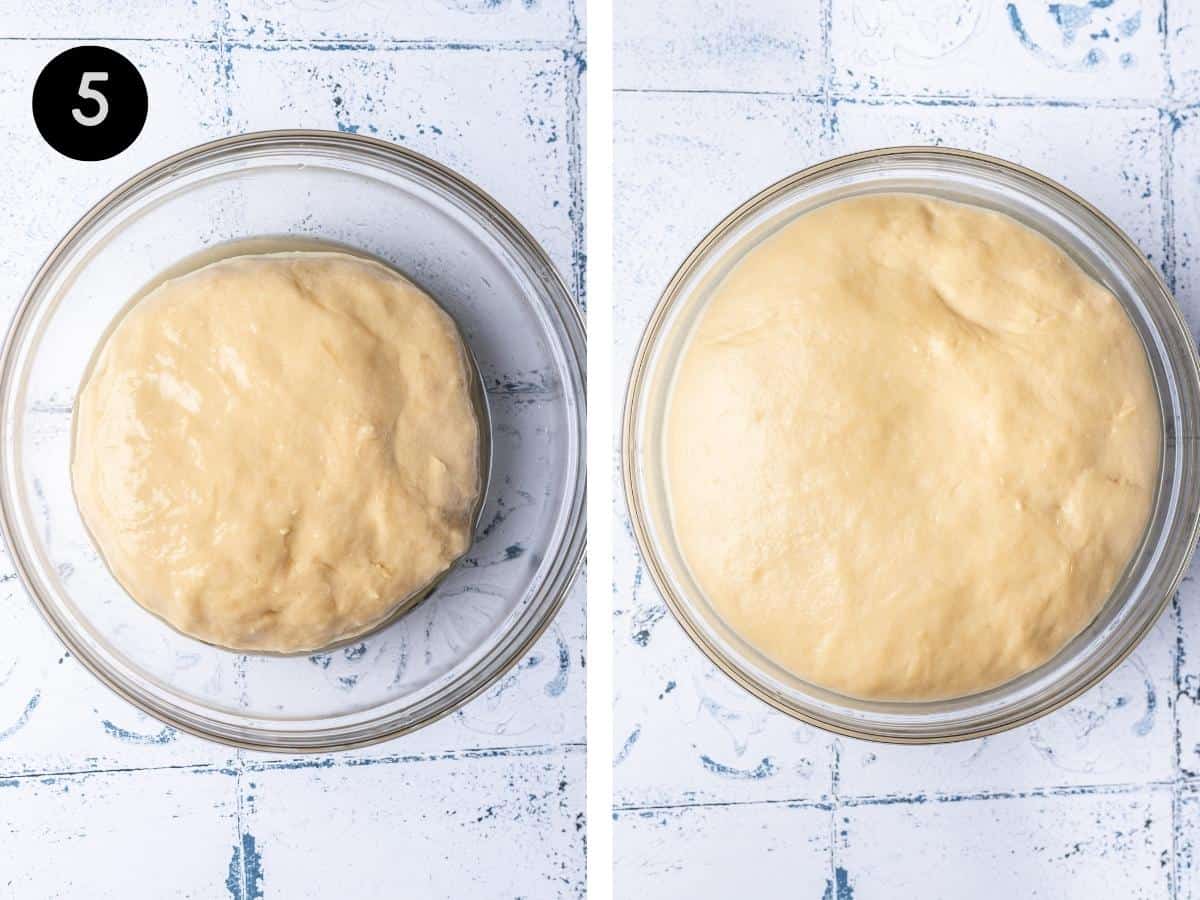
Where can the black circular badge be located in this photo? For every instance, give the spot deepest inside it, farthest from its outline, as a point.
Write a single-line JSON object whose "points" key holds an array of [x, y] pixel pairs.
{"points": [[90, 103]]}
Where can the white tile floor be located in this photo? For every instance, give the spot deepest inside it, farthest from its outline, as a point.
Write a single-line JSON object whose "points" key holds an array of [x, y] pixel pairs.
{"points": [[97, 800]]}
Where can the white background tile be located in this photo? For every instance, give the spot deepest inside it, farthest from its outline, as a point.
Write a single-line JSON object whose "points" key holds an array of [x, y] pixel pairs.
{"points": [[1062, 846], [769, 45], [116, 835], [765, 852], [136, 19], [462, 825], [1025, 48]]}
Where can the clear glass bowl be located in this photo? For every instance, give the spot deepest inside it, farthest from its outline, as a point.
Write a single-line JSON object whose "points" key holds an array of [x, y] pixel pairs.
{"points": [[1102, 250], [523, 329]]}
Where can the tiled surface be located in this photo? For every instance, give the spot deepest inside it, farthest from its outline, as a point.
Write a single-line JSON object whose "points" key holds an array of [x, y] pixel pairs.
{"points": [[97, 800], [116, 835], [378, 21], [1111, 49], [1060, 844], [715, 45], [700, 851], [715, 792], [466, 824]]}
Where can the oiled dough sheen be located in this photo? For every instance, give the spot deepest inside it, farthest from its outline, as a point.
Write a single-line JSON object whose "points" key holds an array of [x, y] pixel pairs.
{"points": [[273, 451], [910, 447]]}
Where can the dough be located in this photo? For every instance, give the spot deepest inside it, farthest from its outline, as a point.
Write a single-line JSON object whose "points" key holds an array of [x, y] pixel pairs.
{"points": [[910, 447], [275, 451]]}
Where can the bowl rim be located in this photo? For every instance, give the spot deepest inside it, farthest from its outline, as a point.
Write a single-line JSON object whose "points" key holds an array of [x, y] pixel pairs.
{"points": [[565, 569], [638, 515]]}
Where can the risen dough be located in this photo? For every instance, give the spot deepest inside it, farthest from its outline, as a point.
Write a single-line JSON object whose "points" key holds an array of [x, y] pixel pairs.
{"points": [[274, 451], [910, 447]]}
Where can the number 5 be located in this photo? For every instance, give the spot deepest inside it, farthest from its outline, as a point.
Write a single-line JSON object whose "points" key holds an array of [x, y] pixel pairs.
{"points": [[87, 92]]}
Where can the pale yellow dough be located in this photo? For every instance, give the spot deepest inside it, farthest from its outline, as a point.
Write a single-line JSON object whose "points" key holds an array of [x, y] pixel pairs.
{"points": [[274, 451], [910, 448]]}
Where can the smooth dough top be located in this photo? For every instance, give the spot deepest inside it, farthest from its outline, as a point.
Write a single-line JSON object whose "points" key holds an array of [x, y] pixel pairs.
{"points": [[910, 447], [274, 451]]}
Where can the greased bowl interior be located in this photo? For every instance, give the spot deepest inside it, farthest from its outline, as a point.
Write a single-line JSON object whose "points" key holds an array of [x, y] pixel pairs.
{"points": [[1107, 255], [523, 330]]}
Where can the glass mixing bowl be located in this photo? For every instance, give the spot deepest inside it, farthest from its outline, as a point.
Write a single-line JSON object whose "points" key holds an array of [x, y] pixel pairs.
{"points": [[1104, 252], [523, 329]]}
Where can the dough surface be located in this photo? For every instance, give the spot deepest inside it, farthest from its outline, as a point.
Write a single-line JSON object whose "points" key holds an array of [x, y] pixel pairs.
{"points": [[274, 451], [910, 447]]}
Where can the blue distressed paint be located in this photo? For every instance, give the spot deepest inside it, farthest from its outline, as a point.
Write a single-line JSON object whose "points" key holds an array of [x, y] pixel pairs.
{"points": [[244, 878], [252, 866], [165, 736], [1129, 27], [900, 800], [233, 878], [558, 684], [838, 888], [357, 652], [325, 762], [504, 509], [511, 552], [645, 617], [23, 718], [1090, 60], [623, 753], [1145, 724], [1070, 18], [764, 769]]}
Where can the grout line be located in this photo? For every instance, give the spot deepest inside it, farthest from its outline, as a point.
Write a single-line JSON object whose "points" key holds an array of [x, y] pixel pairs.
{"points": [[1173, 873], [823, 802], [1177, 743], [225, 57], [1165, 49], [801, 95], [991, 101], [193, 768], [835, 800], [827, 86], [575, 30], [240, 846], [528, 751], [1168, 122], [321, 43], [114, 39], [317, 761], [949, 100], [835, 781], [325, 44], [575, 64]]}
